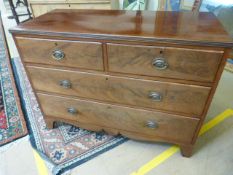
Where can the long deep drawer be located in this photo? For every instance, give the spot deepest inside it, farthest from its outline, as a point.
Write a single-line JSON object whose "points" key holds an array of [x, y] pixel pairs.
{"points": [[87, 55], [183, 98], [167, 126], [170, 62]]}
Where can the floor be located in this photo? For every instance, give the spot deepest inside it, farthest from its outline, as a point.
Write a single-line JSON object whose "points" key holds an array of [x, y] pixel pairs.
{"points": [[213, 151]]}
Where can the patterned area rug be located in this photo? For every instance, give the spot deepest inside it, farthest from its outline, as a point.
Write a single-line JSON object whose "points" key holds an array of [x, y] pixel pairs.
{"points": [[12, 124], [66, 146], [229, 65]]}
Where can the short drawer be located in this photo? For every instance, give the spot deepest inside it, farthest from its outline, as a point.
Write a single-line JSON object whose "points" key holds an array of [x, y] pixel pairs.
{"points": [[87, 55], [183, 98], [158, 124], [170, 62]]}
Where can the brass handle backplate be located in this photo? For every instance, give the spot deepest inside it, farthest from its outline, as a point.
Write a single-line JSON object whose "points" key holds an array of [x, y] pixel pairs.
{"points": [[160, 63], [152, 124], [58, 54], [72, 110], [155, 96], [65, 84]]}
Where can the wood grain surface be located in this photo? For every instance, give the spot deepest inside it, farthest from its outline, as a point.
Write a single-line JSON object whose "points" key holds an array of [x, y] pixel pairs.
{"points": [[86, 55], [201, 28], [189, 64], [182, 98], [123, 118]]}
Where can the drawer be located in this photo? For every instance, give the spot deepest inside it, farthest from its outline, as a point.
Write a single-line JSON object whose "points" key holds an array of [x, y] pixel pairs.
{"points": [[170, 62], [86, 55], [183, 98], [156, 124]]}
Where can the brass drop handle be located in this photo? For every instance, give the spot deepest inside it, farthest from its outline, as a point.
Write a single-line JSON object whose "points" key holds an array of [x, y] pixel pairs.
{"points": [[155, 96], [160, 63], [152, 124], [72, 110], [58, 54], [65, 84]]}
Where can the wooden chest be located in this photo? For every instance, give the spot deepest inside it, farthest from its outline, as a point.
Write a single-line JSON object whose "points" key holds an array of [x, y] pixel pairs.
{"points": [[146, 75], [40, 7]]}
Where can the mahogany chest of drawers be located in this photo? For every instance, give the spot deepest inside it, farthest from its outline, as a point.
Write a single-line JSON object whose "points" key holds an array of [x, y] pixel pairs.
{"points": [[146, 75]]}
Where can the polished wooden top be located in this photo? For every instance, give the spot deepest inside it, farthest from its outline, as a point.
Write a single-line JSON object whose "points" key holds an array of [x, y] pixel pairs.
{"points": [[201, 28]]}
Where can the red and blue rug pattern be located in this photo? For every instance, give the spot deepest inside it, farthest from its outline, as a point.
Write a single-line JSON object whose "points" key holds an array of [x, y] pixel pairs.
{"points": [[12, 123], [3, 122]]}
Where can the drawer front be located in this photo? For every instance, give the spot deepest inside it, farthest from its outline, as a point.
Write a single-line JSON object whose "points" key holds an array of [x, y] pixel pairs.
{"points": [[143, 93], [179, 63], [129, 119], [86, 55]]}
